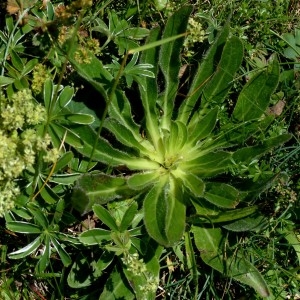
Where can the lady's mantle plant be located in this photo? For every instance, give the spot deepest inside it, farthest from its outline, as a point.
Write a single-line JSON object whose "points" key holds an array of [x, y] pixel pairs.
{"points": [[174, 160], [19, 142]]}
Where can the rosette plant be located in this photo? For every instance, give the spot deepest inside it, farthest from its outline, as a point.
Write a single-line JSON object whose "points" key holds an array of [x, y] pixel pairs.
{"points": [[175, 160]]}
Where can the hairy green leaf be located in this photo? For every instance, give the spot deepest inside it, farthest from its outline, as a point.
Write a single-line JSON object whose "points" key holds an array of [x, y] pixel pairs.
{"points": [[255, 96]]}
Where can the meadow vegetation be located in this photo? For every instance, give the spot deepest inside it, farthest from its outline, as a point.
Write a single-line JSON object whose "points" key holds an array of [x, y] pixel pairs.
{"points": [[149, 149]]}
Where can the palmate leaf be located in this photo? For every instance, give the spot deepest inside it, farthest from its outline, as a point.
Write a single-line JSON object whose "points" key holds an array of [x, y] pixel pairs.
{"points": [[210, 242]]}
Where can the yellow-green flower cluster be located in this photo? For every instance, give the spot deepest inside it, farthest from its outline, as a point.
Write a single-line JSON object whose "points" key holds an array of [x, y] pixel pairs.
{"points": [[196, 34], [134, 265], [40, 74], [19, 142]]}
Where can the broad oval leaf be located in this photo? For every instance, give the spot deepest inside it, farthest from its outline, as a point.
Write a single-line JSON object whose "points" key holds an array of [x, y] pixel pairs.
{"points": [[65, 97]]}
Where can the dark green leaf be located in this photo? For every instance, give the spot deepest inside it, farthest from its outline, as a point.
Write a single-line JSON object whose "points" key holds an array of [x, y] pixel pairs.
{"points": [[222, 195], [63, 254], [94, 236], [255, 96], [98, 189], [204, 73], [23, 227], [128, 216], [117, 287], [105, 216], [170, 62], [45, 256], [27, 250]]}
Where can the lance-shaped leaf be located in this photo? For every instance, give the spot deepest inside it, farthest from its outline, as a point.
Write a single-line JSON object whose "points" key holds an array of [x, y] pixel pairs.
{"points": [[126, 137], [93, 189], [59, 133], [45, 256], [247, 154], [164, 212], [48, 93], [203, 127], [208, 165], [79, 118], [190, 181], [140, 181], [23, 227], [253, 222], [209, 241], [217, 88], [120, 110], [177, 137], [105, 153], [63, 254], [104, 215], [221, 194], [95, 236], [255, 96], [27, 250], [128, 216], [205, 215], [205, 71], [149, 90], [169, 61]]}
